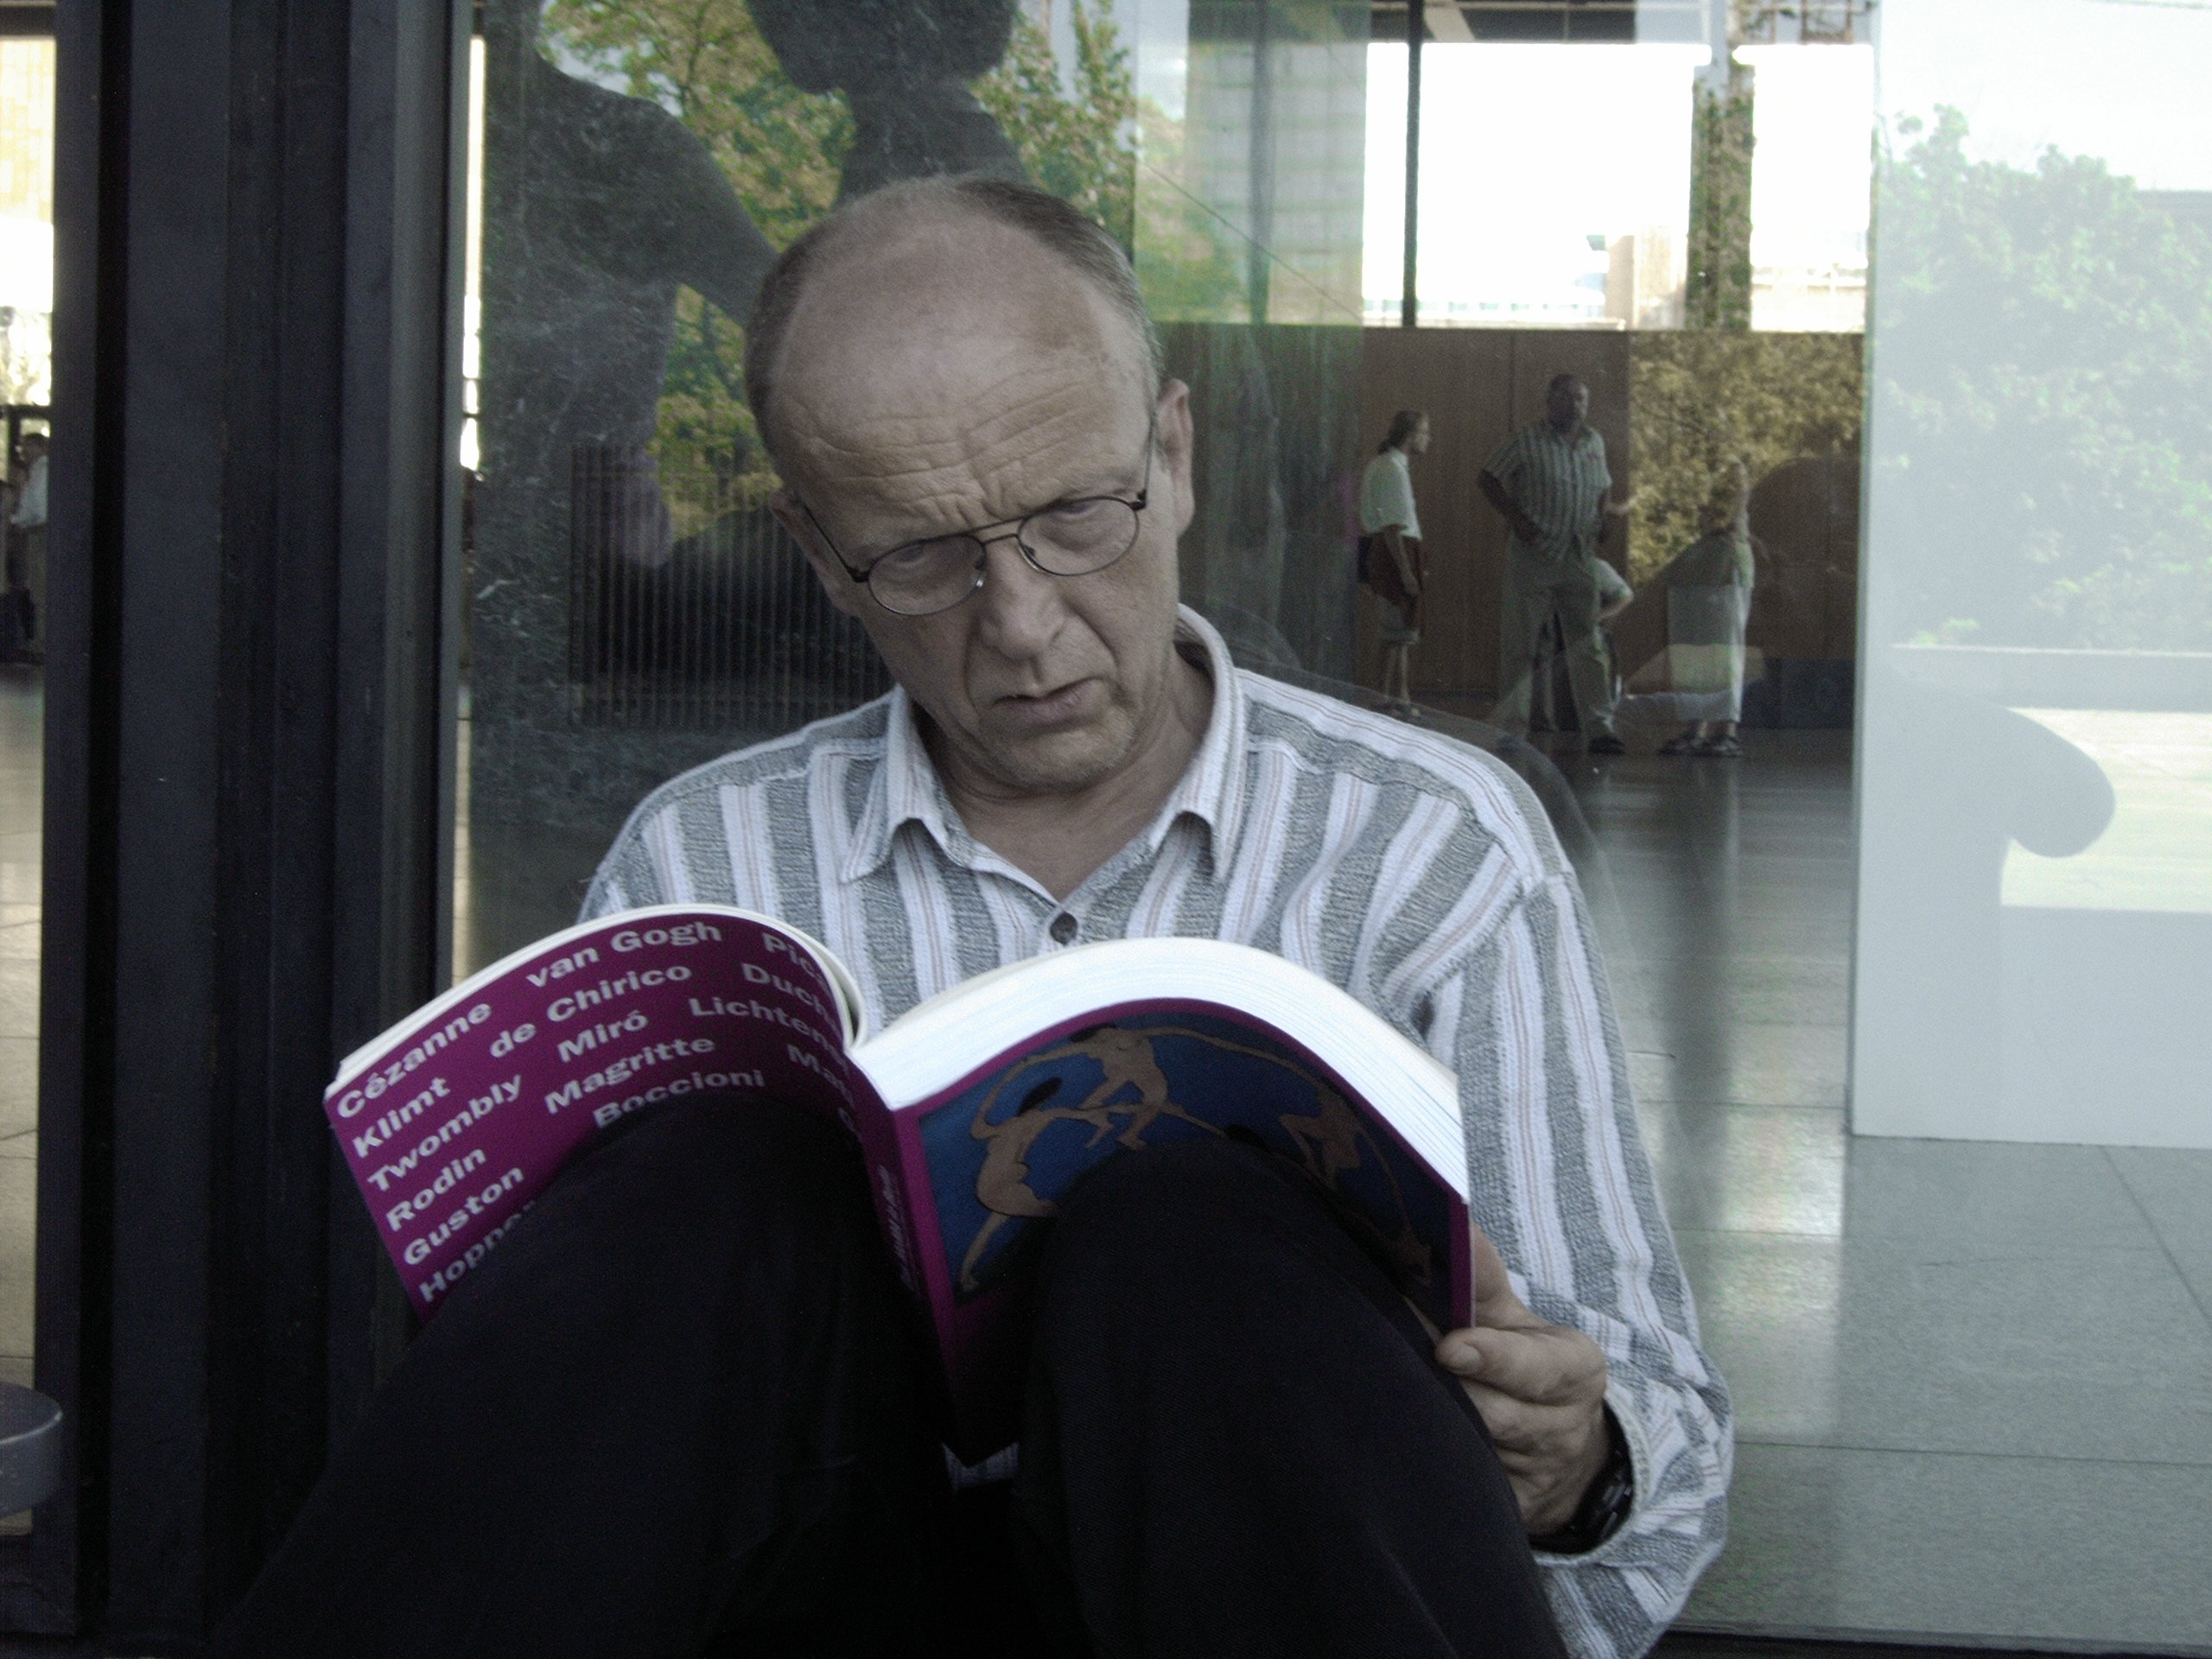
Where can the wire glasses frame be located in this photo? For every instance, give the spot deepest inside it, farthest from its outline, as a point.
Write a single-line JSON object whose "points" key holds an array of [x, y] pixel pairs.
{"points": [[1078, 536]]}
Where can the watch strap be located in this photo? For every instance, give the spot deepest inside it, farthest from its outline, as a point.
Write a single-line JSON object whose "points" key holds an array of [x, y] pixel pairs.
{"points": [[1604, 1506]]}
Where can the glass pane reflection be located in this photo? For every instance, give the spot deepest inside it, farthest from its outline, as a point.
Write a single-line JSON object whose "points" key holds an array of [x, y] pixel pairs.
{"points": [[634, 608], [1935, 1328]]}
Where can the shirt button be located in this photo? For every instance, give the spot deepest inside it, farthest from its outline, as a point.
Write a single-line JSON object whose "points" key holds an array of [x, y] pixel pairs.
{"points": [[1064, 928]]}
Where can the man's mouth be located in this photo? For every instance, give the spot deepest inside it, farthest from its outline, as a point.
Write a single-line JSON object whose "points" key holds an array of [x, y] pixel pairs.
{"points": [[1054, 707]]}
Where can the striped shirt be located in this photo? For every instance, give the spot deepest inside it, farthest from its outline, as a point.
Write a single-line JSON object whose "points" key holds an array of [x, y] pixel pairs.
{"points": [[1416, 874], [1557, 481]]}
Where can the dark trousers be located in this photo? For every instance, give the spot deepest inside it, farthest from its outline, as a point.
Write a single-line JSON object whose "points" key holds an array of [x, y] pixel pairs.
{"points": [[681, 1411]]}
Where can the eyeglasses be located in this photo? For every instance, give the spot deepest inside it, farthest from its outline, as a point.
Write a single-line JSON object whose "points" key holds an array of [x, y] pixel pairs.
{"points": [[1076, 537]]}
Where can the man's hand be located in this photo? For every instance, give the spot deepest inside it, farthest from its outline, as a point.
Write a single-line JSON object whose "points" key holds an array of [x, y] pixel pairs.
{"points": [[1542, 1389]]}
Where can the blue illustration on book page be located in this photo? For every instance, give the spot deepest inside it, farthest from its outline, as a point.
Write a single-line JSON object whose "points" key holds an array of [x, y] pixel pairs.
{"points": [[1001, 1152]]}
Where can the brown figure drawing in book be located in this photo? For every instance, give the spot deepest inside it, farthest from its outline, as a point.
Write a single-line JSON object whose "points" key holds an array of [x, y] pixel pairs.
{"points": [[1329, 1141], [1126, 1062], [1002, 1185]]}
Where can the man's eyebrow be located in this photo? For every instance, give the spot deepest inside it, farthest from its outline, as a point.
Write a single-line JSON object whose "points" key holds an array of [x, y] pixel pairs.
{"points": [[1102, 486]]}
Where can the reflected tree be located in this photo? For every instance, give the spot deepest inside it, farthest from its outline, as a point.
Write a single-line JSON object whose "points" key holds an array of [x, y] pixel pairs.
{"points": [[1081, 148], [707, 64], [2044, 396], [782, 150], [1190, 261], [801, 104], [1704, 401]]}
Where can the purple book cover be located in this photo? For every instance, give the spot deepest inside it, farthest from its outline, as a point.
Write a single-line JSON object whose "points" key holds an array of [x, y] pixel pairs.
{"points": [[453, 1122]]}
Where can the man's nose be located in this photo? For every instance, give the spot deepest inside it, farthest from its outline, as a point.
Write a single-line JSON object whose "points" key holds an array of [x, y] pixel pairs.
{"points": [[1020, 607]]}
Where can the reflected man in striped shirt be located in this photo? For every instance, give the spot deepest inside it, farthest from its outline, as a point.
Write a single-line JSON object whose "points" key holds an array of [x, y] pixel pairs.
{"points": [[1549, 481]]}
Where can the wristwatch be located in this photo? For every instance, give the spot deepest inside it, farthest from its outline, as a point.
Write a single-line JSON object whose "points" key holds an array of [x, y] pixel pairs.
{"points": [[1604, 1507]]}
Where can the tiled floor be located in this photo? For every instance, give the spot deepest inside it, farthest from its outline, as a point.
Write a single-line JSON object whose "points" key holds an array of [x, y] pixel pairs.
{"points": [[1974, 1381]]}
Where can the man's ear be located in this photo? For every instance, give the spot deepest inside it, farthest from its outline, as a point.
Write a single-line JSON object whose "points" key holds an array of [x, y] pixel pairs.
{"points": [[836, 581], [1175, 444]]}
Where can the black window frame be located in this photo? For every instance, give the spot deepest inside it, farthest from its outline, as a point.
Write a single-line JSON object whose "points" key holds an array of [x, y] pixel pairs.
{"points": [[255, 504]]}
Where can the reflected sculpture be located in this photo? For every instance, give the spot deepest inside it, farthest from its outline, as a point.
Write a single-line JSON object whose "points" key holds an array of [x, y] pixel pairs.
{"points": [[597, 209], [904, 66]]}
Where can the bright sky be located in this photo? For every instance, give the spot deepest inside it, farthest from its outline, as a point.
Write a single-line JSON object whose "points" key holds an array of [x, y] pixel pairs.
{"points": [[1527, 151], [26, 264], [2123, 79], [1813, 135]]}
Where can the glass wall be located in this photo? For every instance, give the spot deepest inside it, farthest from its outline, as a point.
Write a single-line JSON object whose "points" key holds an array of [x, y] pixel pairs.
{"points": [[1963, 1311], [633, 609], [2034, 934], [1911, 1009]]}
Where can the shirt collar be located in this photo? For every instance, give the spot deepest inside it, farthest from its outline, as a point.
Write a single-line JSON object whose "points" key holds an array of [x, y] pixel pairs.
{"points": [[908, 789]]}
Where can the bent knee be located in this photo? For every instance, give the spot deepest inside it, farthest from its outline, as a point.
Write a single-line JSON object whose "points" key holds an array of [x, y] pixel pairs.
{"points": [[1187, 1208], [677, 1191]]}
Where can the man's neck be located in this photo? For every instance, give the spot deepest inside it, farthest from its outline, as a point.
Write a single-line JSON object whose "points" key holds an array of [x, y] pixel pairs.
{"points": [[1062, 840], [1571, 430]]}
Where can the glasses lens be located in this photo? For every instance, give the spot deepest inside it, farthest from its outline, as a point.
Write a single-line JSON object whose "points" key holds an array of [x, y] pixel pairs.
{"points": [[926, 576], [1077, 537]]}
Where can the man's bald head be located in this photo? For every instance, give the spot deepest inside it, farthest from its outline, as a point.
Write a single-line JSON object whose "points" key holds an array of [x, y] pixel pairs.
{"points": [[916, 256]]}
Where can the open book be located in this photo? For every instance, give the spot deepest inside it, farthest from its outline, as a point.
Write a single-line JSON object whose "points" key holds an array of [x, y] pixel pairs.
{"points": [[975, 1111]]}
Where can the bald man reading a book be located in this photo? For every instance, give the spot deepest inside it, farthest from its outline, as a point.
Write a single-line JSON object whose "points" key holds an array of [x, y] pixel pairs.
{"points": [[681, 1410]]}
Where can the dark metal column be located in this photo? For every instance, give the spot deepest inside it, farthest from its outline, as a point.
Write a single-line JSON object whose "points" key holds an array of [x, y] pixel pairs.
{"points": [[1260, 181], [1416, 28], [255, 414]]}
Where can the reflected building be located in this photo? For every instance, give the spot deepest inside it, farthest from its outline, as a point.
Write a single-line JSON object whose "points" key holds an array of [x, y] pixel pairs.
{"points": [[1249, 255]]}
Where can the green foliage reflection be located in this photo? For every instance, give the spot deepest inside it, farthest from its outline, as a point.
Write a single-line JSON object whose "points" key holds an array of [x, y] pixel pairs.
{"points": [[783, 151], [2043, 361], [1704, 400]]}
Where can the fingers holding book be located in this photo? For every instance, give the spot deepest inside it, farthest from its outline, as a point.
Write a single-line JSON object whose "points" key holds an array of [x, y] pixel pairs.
{"points": [[1541, 1388]]}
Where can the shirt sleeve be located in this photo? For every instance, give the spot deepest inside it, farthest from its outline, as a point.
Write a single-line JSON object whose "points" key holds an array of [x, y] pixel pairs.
{"points": [[631, 876], [1386, 497], [1560, 1182], [1611, 587]]}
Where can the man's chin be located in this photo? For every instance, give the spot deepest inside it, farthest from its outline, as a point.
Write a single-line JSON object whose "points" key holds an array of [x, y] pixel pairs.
{"points": [[1055, 763]]}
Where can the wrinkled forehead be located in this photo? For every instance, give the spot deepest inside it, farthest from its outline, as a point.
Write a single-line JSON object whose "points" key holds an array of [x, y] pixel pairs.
{"points": [[957, 327]]}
